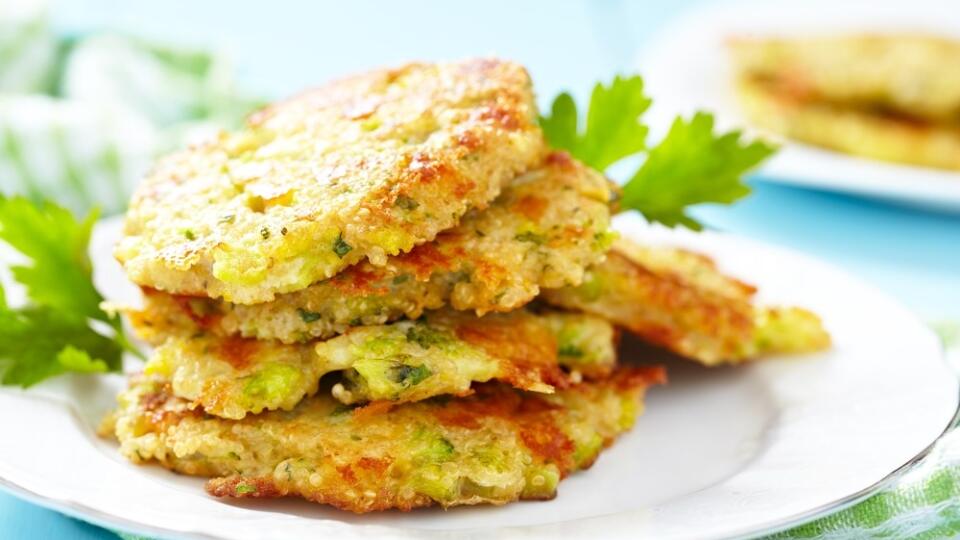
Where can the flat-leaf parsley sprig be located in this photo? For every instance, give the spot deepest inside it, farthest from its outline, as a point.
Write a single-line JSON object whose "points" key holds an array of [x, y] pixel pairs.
{"points": [[61, 328], [691, 165]]}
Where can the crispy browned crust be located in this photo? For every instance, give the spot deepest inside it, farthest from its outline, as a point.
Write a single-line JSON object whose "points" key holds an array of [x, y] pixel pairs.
{"points": [[679, 300], [525, 347], [444, 353], [413, 455], [321, 181]]}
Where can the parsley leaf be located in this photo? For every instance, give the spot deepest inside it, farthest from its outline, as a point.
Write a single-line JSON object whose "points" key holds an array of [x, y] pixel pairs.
{"points": [[52, 333], [39, 342], [691, 165], [613, 128], [59, 275]]}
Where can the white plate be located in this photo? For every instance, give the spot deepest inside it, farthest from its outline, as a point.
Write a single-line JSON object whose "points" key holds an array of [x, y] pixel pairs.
{"points": [[686, 68], [719, 452]]}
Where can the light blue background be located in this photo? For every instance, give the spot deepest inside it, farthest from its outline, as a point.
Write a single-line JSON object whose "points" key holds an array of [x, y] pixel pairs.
{"points": [[280, 46]]}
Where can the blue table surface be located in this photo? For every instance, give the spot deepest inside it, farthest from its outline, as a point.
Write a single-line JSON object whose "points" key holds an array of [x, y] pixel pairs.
{"points": [[911, 253]]}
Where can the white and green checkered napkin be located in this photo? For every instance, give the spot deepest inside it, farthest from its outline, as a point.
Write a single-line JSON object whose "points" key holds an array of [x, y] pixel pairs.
{"points": [[924, 503], [81, 119]]}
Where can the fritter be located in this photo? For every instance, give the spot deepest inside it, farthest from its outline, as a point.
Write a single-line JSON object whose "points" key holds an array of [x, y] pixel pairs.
{"points": [[445, 353], [679, 300], [906, 74], [543, 231], [495, 446], [851, 130], [362, 168]]}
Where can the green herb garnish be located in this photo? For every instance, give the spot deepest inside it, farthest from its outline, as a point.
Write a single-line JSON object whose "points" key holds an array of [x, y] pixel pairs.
{"points": [[691, 165], [407, 203], [426, 337], [340, 247], [308, 316], [570, 351], [613, 127], [409, 375], [61, 328], [529, 236]]}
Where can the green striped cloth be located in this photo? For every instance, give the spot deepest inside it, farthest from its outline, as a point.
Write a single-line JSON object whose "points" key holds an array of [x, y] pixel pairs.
{"points": [[924, 503], [81, 155], [28, 48]]}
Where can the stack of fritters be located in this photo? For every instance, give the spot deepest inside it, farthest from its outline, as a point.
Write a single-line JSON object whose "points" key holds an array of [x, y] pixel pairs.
{"points": [[389, 293], [894, 97]]}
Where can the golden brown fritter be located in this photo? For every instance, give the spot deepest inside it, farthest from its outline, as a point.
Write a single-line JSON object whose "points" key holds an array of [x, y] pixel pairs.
{"points": [[912, 75], [444, 353], [679, 300], [495, 446], [543, 231], [851, 130], [362, 168]]}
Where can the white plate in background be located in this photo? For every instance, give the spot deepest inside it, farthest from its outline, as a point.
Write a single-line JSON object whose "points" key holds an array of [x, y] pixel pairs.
{"points": [[718, 453], [686, 68]]}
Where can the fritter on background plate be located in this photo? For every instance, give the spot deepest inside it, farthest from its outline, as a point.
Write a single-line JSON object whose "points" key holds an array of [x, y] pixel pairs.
{"points": [[679, 300], [911, 75], [851, 130], [496, 446], [445, 353], [542, 232], [365, 167], [889, 97]]}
